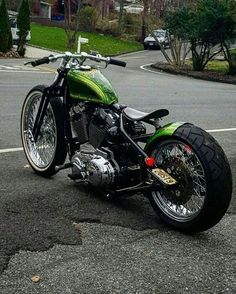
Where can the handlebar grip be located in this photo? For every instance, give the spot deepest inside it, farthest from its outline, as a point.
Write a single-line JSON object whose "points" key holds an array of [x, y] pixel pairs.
{"points": [[40, 61], [117, 62]]}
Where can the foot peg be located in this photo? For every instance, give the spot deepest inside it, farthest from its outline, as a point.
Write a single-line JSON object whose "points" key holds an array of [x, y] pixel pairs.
{"points": [[63, 166]]}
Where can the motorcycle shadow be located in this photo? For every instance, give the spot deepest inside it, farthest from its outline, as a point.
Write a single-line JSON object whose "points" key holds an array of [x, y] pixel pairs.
{"points": [[127, 211]]}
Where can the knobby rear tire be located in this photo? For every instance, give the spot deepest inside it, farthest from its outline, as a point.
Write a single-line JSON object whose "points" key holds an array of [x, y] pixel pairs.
{"points": [[52, 129], [217, 174]]}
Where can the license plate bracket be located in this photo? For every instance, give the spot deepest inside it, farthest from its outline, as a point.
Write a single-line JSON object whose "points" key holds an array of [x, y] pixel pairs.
{"points": [[163, 176]]}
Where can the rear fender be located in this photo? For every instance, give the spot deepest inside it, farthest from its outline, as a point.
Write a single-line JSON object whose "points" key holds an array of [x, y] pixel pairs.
{"points": [[165, 131]]}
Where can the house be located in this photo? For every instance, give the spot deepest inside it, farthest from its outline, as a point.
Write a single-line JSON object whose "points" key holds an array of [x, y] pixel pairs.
{"points": [[42, 9], [102, 6], [54, 9], [45, 9]]}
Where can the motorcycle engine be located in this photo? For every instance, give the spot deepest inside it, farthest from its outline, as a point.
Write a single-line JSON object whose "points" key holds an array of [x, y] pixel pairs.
{"points": [[98, 168], [102, 121]]}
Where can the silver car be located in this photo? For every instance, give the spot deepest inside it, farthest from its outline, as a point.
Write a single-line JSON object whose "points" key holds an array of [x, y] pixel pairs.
{"points": [[150, 42]]}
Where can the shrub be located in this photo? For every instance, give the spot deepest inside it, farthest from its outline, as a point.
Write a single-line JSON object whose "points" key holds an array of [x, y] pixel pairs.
{"points": [[23, 23], [5, 30], [108, 27], [87, 18], [232, 64], [133, 25], [208, 26]]}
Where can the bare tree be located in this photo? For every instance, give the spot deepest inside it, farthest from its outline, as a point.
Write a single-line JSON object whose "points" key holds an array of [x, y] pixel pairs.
{"points": [[71, 23], [146, 5], [161, 7], [178, 47]]}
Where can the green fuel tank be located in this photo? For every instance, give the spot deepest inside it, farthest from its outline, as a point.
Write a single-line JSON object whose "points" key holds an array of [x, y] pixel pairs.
{"points": [[90, 85]]}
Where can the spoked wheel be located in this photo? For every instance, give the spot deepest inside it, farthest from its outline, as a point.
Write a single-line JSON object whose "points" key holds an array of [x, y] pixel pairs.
{"points": [[203, 190], [49, 149]]}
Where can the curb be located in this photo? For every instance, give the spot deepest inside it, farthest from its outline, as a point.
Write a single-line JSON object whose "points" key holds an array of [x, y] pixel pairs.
{"points": [[192, 75]]}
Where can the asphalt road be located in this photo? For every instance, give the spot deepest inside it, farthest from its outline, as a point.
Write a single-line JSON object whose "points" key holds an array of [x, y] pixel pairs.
{"points": [[78, 242]]}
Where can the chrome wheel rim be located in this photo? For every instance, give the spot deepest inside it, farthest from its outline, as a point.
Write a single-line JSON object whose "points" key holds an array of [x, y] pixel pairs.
{"points": [[40, 153], [184, 201]]}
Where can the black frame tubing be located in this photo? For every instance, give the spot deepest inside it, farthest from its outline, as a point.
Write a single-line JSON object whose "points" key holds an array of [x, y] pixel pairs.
{"points": [[47, 94], [127, 137]]}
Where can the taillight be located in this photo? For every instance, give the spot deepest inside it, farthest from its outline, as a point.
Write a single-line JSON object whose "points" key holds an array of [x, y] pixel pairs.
{"points": [[150, 161]]}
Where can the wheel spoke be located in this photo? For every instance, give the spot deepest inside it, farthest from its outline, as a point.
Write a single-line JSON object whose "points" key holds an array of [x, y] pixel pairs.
{"points": [[186, 200], [41, 152]]}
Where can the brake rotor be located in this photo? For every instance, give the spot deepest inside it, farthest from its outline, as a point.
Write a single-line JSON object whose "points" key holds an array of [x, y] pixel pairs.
{"points": [[181, 192]]}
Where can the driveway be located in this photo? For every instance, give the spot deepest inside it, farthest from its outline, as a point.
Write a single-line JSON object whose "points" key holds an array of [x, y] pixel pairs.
{"points": [[78, 242]]}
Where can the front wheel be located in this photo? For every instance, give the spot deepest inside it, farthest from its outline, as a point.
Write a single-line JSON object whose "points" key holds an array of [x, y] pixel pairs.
{"points": [[49, 150], [204, 182]]}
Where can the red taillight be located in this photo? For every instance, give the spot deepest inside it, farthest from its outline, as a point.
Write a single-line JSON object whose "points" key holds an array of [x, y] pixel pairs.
{"points": [[150, 161]]}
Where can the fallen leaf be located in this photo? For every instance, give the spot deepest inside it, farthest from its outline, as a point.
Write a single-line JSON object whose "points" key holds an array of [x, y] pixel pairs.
{"points": [[26, 166], [36, 279], [76, 226]]}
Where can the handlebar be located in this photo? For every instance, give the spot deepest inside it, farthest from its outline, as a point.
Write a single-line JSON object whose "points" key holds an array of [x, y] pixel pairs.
{"points": [[40, 61], [81, 56], [117, 62]]}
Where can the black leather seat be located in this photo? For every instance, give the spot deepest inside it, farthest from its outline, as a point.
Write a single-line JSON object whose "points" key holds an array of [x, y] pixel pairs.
{"points": [[133, 114]]}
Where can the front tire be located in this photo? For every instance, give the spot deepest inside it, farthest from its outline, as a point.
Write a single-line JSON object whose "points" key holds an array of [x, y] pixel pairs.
{"points": [[204, 182], [50, 149]]}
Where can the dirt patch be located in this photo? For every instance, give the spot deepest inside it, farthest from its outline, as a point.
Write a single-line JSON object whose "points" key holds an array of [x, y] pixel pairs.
{"points": [[10, 54], [204, 75]]}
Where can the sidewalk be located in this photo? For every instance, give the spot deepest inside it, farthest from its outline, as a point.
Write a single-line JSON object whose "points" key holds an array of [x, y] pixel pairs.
{"points": [[34, 52]]}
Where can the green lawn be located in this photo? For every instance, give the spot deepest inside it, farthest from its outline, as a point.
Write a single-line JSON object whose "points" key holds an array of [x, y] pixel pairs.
{"points": [[217, 65], [55, 38], [214, 65], [234, 50]]}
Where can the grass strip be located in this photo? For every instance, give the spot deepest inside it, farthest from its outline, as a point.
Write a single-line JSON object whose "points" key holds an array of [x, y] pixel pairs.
{"points": [[217, 65], [55, 39]]}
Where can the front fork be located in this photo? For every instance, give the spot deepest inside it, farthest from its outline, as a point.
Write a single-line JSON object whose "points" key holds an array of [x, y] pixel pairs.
{"points": [[54, 90], [41, 113]]}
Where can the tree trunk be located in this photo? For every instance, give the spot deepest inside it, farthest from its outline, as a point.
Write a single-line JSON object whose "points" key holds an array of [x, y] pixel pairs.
{"points": [[121, 16], [144, 19], [71, 28]]}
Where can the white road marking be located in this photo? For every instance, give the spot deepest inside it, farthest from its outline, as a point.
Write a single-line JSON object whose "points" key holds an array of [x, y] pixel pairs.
{"points": [[221, 130], [11, 150], [24, 71], [21, 69], [143, 67], [209, 131], [17, 67]]}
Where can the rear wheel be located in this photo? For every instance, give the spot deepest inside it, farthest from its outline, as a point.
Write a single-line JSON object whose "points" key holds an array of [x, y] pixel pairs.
{"points": [[50, 149], [204, 183]]}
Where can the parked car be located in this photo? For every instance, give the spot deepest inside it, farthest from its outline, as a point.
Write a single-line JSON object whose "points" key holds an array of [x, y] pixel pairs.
{"points": [[150, 42], [15, 30]]}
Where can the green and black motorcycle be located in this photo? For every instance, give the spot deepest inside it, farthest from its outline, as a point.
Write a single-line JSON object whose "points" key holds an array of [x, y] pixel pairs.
{"points": [[179, 167]]}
